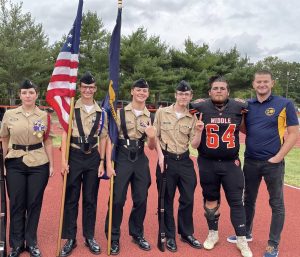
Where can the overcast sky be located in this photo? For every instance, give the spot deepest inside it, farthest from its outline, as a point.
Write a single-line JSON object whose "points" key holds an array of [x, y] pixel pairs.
{"points": [[258, 28]]}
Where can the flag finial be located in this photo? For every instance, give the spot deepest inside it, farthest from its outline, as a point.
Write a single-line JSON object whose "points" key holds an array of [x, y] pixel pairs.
{"points": [[119, 3]]}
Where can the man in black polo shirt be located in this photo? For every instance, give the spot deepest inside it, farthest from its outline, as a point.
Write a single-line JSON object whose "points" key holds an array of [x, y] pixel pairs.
{"points": [[219, 162], [266, 120]]}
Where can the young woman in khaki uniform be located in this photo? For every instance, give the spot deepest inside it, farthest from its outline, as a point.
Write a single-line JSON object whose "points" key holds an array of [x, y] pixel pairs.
{"points": [[27, 148]]}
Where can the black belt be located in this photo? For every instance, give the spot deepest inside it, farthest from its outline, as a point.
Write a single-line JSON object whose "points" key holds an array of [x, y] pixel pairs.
{"points": [[84, 140], [76, 150], [177, 157], [132, 153], [27, 147], [129, 142]]}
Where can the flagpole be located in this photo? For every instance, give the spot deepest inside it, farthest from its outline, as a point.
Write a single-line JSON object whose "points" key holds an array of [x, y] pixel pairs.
{"points": [[111, 192], [114, 64], [63, 195]]}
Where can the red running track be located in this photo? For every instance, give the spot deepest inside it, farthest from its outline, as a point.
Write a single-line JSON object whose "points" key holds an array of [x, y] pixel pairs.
{"points": [[48, 227]]}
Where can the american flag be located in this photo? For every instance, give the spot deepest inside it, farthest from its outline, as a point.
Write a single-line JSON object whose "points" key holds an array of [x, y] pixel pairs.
{"points": [[62, 86]]}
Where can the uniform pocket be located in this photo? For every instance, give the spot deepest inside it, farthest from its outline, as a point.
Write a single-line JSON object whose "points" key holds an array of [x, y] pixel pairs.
{"points": [[185, 130], [167, 127], [130, 127]]}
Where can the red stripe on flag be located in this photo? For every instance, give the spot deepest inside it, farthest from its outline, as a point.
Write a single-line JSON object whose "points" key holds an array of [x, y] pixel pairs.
{"points": [[63, 77], [56, 107], [66, 63], [65, 105]]}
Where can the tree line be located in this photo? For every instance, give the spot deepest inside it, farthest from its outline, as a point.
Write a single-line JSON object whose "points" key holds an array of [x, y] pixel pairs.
{"points": [[25, 52]]}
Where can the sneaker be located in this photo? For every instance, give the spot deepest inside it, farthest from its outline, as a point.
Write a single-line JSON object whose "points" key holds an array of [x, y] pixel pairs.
{"points": [[242, 245], [271, 251], [211, 240], [232, 239]]}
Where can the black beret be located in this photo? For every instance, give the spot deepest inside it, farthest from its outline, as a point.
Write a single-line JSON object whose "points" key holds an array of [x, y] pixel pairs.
{"points": [[26, 84], [87, 78], [142, 83], [183, 86]]}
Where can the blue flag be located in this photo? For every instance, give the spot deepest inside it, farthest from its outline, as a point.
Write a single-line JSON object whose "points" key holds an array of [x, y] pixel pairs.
{"points": [[110, 101]]}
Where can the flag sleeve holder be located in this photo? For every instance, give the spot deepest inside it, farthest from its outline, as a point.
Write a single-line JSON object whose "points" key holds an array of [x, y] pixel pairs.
{"points": [[161, 206], [111, 194]]}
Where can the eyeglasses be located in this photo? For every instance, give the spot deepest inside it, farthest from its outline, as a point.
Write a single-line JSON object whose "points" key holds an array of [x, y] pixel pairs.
{"points": [[87, 87], [181, 94]]}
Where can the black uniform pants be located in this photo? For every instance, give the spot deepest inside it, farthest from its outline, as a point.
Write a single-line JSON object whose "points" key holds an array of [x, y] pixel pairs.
{"points": [[138, 175], [83, 171], [273, 174], [25, 186], [181, 174], [213, 174]]}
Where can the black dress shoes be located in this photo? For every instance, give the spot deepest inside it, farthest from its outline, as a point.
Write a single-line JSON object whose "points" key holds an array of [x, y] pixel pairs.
{"points": [[34, 251], [141, 242], [68, 247], [92, 245], [171, 245], [192, 241], [15, 252], [115, 247]]}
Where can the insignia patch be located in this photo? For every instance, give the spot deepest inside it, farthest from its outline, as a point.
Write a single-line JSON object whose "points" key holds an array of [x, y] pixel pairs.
{"points": [[39, 128], [144, 124], [269, 111]]}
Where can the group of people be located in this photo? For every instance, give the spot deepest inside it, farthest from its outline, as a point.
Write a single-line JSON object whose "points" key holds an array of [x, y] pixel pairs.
{"points": [[213, 130]]}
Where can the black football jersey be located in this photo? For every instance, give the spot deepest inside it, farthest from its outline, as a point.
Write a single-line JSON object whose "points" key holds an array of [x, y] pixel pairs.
{"points": [[220, 136]]}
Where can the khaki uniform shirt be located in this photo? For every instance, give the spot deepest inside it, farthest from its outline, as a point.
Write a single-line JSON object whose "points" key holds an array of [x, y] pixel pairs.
{"points": [[87, 120], [135, 125], [177, 133], [25, 130]]}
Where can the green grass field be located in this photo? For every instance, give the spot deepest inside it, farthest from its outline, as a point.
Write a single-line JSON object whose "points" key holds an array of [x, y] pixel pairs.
{"points": [[292, 170]]}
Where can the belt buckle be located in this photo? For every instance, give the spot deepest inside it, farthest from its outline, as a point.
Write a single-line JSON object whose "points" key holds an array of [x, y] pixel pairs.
{"points": [[86, 148], [27, 148], [177, 157], [132, 155]]}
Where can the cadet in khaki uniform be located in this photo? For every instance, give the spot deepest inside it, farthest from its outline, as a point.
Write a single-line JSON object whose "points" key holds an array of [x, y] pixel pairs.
{"points": [[86, 165], [132, 166], [176, 128], [27, 148]]}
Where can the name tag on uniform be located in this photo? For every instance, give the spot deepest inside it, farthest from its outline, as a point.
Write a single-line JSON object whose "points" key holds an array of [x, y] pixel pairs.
{"points": [[186, 126]]}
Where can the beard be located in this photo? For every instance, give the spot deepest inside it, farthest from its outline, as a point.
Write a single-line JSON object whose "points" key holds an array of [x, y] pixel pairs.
{"points": [[219, 102]]}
